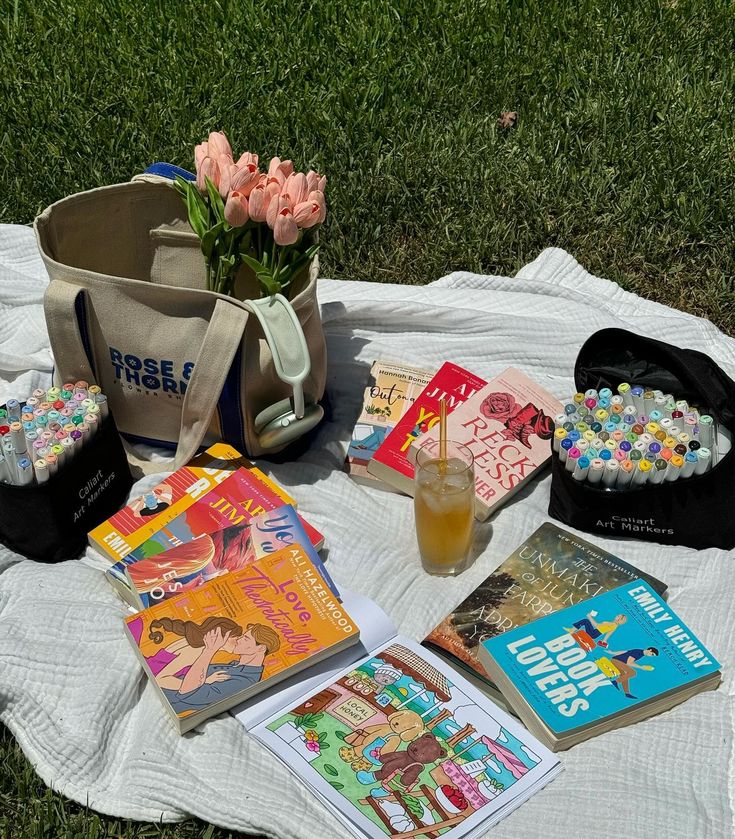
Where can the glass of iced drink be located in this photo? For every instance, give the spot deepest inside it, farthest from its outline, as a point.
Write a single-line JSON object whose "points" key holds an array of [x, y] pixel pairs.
{"points": [[444, 507]]}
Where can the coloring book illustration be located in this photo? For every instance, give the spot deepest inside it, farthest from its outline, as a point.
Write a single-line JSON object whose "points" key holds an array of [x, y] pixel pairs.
{"points": [[412, 753]]}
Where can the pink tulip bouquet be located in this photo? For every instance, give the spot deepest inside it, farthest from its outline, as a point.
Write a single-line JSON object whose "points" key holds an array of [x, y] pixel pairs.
{"points": [[266, 221]]}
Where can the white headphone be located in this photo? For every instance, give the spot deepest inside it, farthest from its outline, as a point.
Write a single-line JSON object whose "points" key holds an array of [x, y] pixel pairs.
{"points": [[289, 419]]}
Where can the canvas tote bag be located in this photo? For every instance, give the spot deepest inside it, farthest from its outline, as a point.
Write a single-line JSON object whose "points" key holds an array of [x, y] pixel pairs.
{"points": [[128, 309]]}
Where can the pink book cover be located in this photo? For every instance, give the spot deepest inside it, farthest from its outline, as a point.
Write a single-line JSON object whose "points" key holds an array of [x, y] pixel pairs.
{"points": [[507, 425], [390, 462]]}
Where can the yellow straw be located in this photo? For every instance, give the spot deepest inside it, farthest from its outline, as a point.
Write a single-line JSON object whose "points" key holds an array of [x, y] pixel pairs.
{"points": [[442, 436]]}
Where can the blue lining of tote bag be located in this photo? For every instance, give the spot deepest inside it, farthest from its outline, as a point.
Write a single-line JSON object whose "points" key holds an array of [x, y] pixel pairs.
{"points": [[168, 170], [228, 406], [80, 308]]}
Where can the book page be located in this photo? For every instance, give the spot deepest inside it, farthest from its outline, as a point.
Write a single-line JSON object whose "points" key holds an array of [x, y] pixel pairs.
{"points": [[376, 629], [397, 748]]}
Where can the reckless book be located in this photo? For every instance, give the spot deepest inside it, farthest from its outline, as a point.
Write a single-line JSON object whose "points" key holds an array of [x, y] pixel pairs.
{"points": [[551, 570], [507, 425]]}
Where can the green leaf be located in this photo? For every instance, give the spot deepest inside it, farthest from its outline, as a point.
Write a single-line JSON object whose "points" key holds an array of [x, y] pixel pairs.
{"points": [[413, 804], [196, 217], [209, 240], [322, 736], [290, 271], [337, 785], [215, 201], [343, 735], [330, 770], [324, 745], [265, 278]]}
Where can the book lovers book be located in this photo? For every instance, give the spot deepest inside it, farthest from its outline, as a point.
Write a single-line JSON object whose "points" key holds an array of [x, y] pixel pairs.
{"points": [[608, 662]]}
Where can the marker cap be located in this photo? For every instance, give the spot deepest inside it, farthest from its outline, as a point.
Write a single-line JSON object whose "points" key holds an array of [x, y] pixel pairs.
{"points": [[597, 467]]}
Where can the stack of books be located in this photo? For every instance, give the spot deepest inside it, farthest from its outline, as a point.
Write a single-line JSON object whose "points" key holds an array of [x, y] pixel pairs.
{"points": [[230, 592], [506, 423], [573, 640]]}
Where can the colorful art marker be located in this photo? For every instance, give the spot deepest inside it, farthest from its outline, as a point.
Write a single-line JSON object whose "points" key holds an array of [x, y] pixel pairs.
{"points": [[581, 468]]}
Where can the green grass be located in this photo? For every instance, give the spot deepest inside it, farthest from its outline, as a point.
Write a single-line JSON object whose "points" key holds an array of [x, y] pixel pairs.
{"points": [[623, 153], [29, 810]]}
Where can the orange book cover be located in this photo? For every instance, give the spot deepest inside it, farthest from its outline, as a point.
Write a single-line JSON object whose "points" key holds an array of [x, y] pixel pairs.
{"points": [[146, 514], [214, 646]]}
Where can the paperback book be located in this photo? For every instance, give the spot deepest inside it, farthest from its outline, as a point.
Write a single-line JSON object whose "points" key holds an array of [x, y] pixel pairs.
{"points": [[569, 679], [507, 425], [237, 500], [188, 566], [390, 463], [390, 392], [213, 647], [550, 570], [145, 515]]}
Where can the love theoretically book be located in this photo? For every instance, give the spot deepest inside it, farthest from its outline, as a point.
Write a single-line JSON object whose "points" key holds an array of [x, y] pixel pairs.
{"points": [[550, 570], [145, 515], [236, 500], [397, 744], [212, 647], [507, 426], [390, 463], [391, 391], [569, 679], [187, 566]]}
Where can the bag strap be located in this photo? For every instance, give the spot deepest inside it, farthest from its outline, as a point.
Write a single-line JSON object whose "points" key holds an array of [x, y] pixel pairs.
{"points": [[65, 306], [222, 339]]}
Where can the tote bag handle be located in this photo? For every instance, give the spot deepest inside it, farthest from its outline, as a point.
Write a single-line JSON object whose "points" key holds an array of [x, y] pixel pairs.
{"points": [[64, 304]]}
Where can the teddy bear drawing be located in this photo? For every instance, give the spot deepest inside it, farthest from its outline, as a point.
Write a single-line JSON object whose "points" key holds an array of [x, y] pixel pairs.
{"points": [[405, 766]]}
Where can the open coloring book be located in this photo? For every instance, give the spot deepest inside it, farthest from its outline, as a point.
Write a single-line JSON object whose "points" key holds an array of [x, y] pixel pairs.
{"points": [[395, 742]]}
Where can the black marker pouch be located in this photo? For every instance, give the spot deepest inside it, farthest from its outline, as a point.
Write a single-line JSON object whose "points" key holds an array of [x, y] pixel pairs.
{"points": [[699, 511], [49, 522]]}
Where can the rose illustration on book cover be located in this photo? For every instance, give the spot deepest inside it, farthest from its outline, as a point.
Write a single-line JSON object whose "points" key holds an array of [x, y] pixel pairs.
{"points": [[520, 423]]}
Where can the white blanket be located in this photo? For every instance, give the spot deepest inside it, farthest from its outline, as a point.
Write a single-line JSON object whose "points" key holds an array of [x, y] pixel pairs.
{"points": [[73, 694]]}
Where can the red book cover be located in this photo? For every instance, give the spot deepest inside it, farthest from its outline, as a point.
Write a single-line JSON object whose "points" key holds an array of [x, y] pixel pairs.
{"points": [[390, 462], [237, 500]]}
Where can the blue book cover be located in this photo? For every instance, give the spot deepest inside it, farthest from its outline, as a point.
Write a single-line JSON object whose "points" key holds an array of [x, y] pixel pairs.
{"points": [[196, 561], [600, 658]]}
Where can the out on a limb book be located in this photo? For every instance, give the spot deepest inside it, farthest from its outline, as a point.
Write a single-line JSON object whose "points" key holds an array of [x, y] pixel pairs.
{"points": [[391, 391], [398, 744]]}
